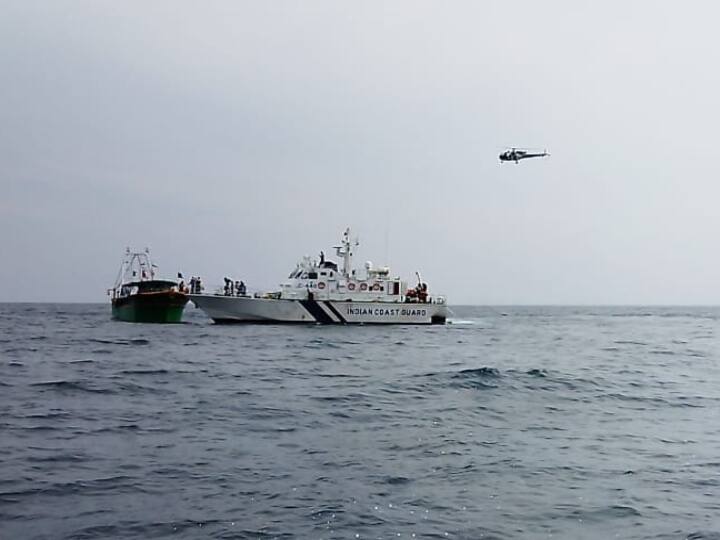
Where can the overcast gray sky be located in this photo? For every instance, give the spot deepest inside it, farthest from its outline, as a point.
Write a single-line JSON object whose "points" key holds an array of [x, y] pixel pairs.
{"points": [[234, 137]]}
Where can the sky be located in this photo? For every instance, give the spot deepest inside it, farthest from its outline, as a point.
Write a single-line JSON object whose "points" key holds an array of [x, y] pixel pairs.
{"points": [[232, 138]]}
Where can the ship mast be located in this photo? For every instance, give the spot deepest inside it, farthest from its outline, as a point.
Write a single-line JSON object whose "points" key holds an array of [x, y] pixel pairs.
{"points": [[344, 250], [136, 266]]}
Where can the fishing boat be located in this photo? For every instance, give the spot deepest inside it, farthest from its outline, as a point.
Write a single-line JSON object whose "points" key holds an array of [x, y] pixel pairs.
{"points": [[319, 291], [139, 297]]}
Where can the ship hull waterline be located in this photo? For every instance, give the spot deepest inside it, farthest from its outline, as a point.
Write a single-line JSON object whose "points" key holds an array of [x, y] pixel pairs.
{"points": [[150, 308], [232, 309]]}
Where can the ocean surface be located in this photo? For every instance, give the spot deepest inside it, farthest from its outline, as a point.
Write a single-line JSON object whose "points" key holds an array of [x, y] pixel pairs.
{"points": [[510, 422]]}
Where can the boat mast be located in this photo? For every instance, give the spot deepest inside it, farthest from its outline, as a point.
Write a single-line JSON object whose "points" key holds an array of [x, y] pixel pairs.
{"points": [[345, 251], [137, 266]]}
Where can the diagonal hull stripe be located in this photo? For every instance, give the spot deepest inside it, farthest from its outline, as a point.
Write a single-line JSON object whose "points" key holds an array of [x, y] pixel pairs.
{"points": [[316, 311], [335, 312], [328, 311]]}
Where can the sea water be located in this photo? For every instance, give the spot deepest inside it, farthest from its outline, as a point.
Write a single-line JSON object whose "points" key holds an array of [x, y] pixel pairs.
{"points": [[510, 422]]}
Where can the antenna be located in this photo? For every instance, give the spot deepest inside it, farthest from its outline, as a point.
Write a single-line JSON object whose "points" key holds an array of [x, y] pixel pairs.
{"points": [[387, 242]]}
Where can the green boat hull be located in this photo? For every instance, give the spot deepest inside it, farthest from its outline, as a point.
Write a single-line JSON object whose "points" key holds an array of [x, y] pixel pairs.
{"points": [[150, 308]]}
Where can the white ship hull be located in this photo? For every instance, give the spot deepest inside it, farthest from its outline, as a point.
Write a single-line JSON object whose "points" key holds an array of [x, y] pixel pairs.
{"points": [[233, 309]]}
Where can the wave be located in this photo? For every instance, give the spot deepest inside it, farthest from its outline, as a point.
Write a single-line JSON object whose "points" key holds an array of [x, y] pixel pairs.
{"points": [[483, 372], [629, 342], [703, 535], [58, 458], [13, 350], [135, 341], [149, 371], [196, 529], [86, 487], [345, 398], [483, 378], [395, 480], [601, 514], [71, 386]]}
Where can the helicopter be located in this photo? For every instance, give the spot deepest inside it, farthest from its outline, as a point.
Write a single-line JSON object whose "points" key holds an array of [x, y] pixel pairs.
{"points": [[516, 154]]}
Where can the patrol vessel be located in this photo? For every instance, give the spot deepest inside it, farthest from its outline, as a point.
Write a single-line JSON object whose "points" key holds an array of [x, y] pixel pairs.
{"points": [[318, 291], [138, 296]]}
